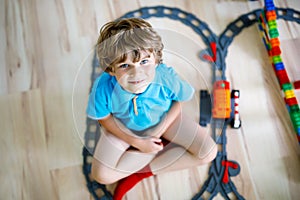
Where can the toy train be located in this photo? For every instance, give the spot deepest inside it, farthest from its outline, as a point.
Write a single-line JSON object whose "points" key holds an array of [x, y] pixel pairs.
{"points": [[221, 100], [224, 104]]}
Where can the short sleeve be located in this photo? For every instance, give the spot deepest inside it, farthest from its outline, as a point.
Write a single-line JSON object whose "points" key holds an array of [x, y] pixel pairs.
{"points": [[180, 90], [98, 103]]}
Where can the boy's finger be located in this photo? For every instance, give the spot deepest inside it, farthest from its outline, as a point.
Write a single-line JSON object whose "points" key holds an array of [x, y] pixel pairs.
{"points": [[156, 140], [160, 145]]}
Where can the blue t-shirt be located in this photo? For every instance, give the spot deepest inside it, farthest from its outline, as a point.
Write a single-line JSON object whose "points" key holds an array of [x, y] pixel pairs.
{"points": [[108, 97]]}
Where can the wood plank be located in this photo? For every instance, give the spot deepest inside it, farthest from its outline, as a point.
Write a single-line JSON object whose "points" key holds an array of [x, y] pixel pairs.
{"points": [[69, 183], [3, 70], [24, 172], [21, 67], [290, 52], [60, 66]]}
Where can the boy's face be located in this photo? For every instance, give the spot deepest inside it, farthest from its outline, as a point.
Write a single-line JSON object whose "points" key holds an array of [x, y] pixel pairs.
{"points": [[135, 77]]}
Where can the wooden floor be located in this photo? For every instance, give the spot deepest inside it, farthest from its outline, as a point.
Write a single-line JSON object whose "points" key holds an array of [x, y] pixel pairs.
{"points": [[45, 66]]}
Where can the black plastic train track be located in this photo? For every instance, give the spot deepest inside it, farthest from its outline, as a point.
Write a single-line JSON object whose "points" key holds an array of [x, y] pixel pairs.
{"points": [[213, 184]]}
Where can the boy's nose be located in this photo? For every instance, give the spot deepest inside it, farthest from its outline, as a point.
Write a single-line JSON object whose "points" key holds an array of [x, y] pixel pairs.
{"points": [[135, 70]]}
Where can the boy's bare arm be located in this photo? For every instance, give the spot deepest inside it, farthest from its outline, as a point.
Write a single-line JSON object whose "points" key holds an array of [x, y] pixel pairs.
{"points": [[145, 145], [165, 123]]}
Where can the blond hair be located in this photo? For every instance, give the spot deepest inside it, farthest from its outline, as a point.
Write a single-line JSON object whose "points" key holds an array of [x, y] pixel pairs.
{"points": [[127, 36]]}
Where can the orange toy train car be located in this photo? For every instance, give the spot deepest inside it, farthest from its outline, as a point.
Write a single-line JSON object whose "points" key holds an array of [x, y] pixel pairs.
{"points": [[221, 100]]}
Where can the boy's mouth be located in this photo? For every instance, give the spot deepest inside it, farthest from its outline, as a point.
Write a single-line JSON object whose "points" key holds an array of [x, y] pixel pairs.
{"points": [[135, 82]]}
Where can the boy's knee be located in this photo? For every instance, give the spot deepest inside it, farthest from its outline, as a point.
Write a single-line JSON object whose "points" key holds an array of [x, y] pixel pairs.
{"points": [[208, 156], [101, 174]]}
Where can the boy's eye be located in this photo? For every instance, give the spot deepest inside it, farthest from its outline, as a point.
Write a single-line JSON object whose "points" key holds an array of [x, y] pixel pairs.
{"points": [[124, 66], [144, 61]]}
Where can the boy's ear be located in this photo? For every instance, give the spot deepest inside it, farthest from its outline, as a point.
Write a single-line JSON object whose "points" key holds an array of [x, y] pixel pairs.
{"points": [[111, 71]]}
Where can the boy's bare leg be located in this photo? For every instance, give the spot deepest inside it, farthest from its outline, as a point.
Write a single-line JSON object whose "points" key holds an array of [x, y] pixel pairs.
{"points": [[196, 147], [176, 158], [113, 161]]}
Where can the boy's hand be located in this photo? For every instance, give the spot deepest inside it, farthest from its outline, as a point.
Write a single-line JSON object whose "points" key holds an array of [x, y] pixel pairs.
{"points": [[148, 145]]}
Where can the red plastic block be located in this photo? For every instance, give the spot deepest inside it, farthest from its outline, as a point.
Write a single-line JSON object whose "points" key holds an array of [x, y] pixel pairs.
{"points": [[297, 84], [282, 76], [291, 101], [276, 51]]}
